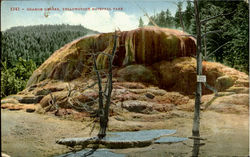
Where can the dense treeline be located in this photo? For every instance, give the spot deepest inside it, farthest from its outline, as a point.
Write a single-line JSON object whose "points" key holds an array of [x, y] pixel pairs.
{"points": [[37, 42], [231, 43], [234, 35], [26, 48]]}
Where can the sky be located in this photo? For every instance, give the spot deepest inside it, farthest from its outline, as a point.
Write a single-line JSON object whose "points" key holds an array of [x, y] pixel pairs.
{"points": [[122, 14]]}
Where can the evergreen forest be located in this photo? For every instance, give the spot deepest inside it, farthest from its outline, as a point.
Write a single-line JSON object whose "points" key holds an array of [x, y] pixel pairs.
{"points": [[26, 48], [228, 44]]}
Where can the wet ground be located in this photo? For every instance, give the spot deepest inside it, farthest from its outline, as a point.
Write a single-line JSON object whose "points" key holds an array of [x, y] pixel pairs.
{"points": [[31, 134]]}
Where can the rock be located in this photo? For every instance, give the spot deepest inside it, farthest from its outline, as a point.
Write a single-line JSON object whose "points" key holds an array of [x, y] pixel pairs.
{"points": [[242, 83], [86, 96], [45, 101], [145, 45], [119, 118], [173, 98], [224, 82], [137, 73], [145, 106], [18, 106], [163, 107], [9, 100], [180, 75], [238, 90], [31, 88], [145, 58], [186, 107], [62, 112], [60, 99], [30, 110], [17, 97], [237, 99], [138, 106], [123, 94], [30, 99], [52, 86], [128, 96], [149, 95], [156, 92], [129, 85], [43, 92], [236, 103]]}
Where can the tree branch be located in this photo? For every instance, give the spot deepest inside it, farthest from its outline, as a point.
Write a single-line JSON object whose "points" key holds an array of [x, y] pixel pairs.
{"points": [[211, 32], [210, 88], [99, 84], [89, 86], [53, 101], [83, 105], [214, 17], [215, 50]]}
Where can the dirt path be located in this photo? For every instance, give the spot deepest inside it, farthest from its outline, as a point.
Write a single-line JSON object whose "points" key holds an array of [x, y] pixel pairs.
{"points": [[31, 134]]}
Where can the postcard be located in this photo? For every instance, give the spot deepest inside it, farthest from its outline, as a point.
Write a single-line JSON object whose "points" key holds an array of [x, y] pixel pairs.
{"points": [[124, 78]]}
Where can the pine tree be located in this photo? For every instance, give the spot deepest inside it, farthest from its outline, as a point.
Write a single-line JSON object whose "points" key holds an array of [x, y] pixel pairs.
{"points": [[188, 15], [179, 16], [169, 19], [141, 23]]}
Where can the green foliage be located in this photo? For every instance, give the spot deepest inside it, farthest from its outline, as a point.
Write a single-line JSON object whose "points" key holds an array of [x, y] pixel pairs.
{"points": [[163, 19], [187, 16], [141, 23], [25, 48], [236, 52], [37, 42], [234, 34], [14, 79], [234, 29], [178, 14]]}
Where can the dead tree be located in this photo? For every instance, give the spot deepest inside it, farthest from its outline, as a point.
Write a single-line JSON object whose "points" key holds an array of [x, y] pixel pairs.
{"points": [[104, 94], [103, 112], [196, 122], [199, 36]]}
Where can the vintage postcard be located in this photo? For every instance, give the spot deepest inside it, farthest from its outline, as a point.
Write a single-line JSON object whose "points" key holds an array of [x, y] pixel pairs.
{"points": [[124, 78]]}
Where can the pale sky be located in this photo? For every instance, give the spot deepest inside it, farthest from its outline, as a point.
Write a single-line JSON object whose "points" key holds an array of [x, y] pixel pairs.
{"points": [[102, 21]]}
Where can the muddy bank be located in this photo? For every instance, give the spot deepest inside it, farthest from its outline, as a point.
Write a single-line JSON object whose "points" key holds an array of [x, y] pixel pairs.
{"points": [[32, 134]]}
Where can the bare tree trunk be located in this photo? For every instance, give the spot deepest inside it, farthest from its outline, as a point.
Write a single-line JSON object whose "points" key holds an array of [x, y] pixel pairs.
{"points": [[196, 122], [101, 110], [196, 148], [104, 117]]}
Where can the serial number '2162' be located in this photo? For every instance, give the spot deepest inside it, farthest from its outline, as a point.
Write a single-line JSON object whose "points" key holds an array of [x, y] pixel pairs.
{"points": [[14, 9]]}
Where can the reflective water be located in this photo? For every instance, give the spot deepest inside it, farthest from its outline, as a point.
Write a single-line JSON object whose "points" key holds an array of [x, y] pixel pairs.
{"points": [[170, 140], [144, 135], [93, 153], [139, 136]]}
